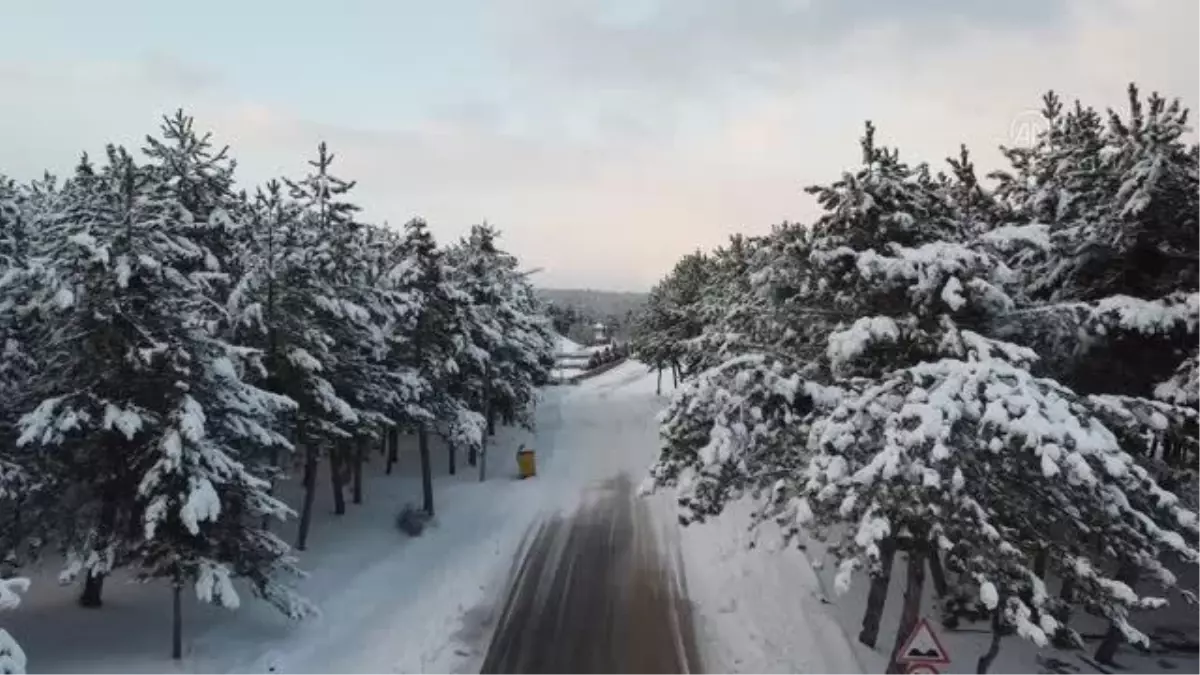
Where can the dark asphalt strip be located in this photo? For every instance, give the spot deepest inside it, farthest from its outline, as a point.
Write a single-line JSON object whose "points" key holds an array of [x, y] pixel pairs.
{"points": [[596, 594]]}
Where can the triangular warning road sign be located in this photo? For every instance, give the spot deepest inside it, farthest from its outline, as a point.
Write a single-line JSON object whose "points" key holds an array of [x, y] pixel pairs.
{"points": [[922, 646]]}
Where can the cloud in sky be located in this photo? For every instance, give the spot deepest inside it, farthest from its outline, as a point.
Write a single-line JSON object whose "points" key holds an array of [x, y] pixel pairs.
{"points": [[604, 138]]}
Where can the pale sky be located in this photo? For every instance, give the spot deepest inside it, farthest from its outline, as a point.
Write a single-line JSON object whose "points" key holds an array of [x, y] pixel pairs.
{"points": [[605, 138]]}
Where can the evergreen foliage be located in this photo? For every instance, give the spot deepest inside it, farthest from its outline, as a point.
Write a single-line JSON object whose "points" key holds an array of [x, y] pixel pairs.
{"points": [[172, 346], [1000, 377]]}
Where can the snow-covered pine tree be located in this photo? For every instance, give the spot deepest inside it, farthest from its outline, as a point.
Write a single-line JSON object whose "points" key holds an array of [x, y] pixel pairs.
{"points": [[529, 354], [915, 431], [510, 340], [973, 204], [1116, 272], [422, 348], [650, 337], [478, 333], [20, 208], [12, 657], [81, 342], [362, 375], [728, 311], [264, 250], [461, 421], [220, 427], [1122, 262], [480, 277], [148, 396], [330, 233], [275, 311], [674, 315], [380, 396]]}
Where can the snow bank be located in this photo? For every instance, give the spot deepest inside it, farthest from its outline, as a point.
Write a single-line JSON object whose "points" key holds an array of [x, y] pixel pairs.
{"points": [[633, 378], [759, 606], [566, 373], [565, 345]]}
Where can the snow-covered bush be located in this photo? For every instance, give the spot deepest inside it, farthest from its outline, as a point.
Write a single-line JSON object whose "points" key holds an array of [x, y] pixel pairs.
{"points": [[412, 520]]}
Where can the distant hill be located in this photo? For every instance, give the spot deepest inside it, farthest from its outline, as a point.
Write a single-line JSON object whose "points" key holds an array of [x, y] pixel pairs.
{"points": [[613, 308], [601, 303]]}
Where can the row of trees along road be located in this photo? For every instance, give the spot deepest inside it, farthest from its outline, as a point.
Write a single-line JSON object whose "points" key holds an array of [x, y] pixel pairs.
{"points": [[174, 346], [998, 379]]}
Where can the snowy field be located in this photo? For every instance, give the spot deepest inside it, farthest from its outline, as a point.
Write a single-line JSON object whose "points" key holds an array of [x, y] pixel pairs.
{"points": [[391, 603]]}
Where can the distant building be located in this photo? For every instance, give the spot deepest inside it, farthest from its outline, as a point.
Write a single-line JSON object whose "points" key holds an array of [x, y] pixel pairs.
{"points": [[600, 333]]}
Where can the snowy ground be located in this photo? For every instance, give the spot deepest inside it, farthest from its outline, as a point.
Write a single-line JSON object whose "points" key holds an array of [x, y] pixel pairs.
{"points": [[391, 603], [563, 373], [566, 345], [571, 359], [567, 348]]}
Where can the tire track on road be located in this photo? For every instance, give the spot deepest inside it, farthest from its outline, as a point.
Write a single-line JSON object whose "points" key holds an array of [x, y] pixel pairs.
{"points": [[596, 592]]}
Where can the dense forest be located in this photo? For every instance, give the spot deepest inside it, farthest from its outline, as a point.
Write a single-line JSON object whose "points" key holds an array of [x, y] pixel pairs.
{"points": [[994, 377], [174, 346]]}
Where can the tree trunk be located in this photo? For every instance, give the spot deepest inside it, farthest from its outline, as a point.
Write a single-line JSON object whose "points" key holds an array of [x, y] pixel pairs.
{"points": [[985, 661], [335, 480], [937, 572], [488, 405], [93, 588], [310, 492], [911, 612], [453, 455], [877, 596], [1127, 574], [1040, 561], [674, 376], [266, 520], [1062, 637], [388, 457], [483, 452], [93, 585], [426, 469], [472, 457], [658, 385], [8, 567], [393, 449], [360, 451], [177, 620]]}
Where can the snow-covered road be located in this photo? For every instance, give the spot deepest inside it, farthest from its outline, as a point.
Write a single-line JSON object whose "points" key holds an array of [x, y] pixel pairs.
{"points": [[596, 592]]}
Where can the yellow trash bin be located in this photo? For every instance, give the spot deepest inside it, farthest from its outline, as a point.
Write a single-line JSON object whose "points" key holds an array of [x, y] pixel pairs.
{"points": [[526, 464]]}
